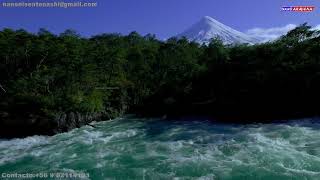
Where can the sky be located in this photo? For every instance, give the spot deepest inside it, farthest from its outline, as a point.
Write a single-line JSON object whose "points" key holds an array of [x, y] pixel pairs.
{"points": [[164, 18]]}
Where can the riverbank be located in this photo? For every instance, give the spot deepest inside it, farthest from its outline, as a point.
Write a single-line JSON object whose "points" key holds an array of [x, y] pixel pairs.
{"points": [[19, 125], [23, 125], [23, 120]]}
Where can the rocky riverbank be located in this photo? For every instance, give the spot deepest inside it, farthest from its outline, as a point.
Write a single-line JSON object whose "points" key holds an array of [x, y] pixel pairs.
{"points": [[21, 125]]}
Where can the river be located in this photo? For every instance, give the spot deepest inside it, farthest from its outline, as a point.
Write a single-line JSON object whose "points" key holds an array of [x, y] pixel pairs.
{"points": [[131, 148]]}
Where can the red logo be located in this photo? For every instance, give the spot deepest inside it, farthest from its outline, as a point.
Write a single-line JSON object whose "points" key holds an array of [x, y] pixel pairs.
{"points": [[299, 8]]}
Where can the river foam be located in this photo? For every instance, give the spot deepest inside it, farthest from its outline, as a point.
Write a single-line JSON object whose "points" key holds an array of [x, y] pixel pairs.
{"points": [[157, 149]]}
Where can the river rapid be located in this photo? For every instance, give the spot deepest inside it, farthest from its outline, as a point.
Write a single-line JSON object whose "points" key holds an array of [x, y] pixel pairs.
{"points": [[130, 148]]}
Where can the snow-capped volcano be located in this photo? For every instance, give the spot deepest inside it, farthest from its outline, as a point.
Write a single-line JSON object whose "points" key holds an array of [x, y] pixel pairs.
{"points": [[208, 28]]}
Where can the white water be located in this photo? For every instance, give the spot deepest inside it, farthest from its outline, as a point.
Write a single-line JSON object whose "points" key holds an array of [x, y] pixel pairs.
{"points": [[157, 149]]}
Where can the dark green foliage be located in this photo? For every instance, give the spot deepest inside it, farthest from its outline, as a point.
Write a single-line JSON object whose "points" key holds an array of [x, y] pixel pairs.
{"points": [[109, 73]]}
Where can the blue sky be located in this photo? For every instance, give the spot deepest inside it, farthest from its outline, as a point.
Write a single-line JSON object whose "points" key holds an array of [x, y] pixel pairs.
{"points": [[165, 18]]}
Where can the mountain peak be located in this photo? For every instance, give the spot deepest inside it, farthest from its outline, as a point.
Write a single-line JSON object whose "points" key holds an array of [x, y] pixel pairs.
{"points": [[208, 19], [208, 28]]}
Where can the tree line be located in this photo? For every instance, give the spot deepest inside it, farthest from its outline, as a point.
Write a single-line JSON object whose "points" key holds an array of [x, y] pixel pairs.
{"points": [[114, 74]]}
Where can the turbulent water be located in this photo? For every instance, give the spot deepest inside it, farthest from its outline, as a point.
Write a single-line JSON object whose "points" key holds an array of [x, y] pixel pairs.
{"points": [[158, 149]]}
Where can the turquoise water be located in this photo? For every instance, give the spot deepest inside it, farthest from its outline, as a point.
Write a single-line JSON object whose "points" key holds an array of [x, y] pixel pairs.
{"points": [[157, 149]]}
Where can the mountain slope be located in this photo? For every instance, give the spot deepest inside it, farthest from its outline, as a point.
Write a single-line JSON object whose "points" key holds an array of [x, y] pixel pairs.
{"points": [[208, 28]]}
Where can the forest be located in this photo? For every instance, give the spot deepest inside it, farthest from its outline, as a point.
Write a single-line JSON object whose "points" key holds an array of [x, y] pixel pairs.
{"points": [[43, 74]]}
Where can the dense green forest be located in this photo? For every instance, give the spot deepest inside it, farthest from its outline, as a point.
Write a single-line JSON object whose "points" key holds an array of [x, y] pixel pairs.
{"points": [[47, 74]]}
